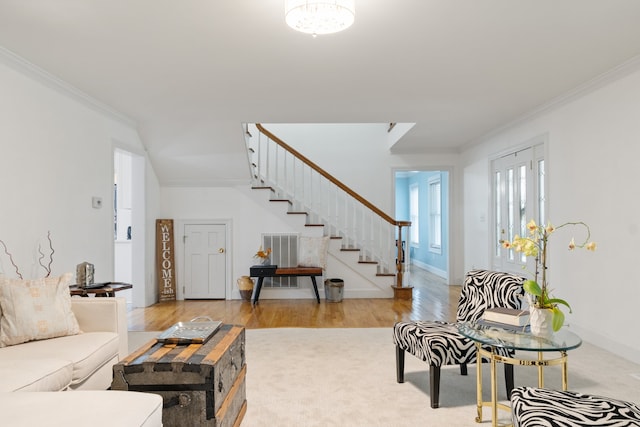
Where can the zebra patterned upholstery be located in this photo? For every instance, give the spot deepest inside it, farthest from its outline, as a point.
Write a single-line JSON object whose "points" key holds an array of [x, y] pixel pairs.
{"points": [[439, 343], [532, 406]]}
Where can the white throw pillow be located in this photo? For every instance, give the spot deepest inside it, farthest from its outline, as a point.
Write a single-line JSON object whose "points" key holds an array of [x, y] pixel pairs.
{"points": [[36, 309], [312, 252]]}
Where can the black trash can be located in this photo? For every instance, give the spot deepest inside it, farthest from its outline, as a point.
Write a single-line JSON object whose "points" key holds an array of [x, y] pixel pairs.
{"points": [[334, 290]]}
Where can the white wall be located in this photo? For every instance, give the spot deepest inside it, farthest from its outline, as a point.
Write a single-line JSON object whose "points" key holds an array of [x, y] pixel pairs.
{"points": [[356, 154], [247, 217], [592, 155], [56, 151]]}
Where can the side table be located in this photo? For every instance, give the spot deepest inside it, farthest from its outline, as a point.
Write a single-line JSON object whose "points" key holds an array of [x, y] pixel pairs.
{"points": [[516, 339], [108, 289]]}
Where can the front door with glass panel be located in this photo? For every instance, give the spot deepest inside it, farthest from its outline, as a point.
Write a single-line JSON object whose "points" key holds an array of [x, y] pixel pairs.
{"points": [[518, 197]]}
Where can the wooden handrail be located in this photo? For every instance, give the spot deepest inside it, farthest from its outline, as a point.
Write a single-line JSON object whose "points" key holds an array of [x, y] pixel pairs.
{"points": [[399, 290], [330, 177]]}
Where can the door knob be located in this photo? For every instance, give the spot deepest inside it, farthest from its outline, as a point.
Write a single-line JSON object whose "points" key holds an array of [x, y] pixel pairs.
{"points": [[221, 250]]}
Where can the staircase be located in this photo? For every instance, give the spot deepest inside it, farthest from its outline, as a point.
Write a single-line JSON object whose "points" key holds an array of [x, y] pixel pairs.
{"points": [[362, 237]]}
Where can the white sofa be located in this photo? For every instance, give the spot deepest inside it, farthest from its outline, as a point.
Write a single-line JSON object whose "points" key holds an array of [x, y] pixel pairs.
{"points": [[32, 374], [76, 362], [102, 408]]}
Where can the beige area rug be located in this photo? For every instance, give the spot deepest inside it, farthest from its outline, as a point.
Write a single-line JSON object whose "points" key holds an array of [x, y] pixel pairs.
{"points": [[304, 377]]}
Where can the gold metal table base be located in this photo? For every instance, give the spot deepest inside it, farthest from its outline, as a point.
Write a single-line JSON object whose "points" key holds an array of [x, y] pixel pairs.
{"points": [[494, 358]]}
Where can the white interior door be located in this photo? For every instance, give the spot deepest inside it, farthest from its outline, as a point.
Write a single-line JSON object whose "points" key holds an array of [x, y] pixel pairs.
{"points": [[205, 274]]}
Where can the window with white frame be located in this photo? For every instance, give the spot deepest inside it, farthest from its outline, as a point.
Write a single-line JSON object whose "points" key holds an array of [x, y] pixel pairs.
{"points": [[435, 214], [414, 213]]}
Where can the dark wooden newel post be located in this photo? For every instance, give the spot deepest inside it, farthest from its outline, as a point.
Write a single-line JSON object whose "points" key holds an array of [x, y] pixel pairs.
{"points": [[399, 291]]}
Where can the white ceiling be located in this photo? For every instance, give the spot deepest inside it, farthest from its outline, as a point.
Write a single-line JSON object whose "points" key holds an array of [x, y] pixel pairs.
{"points": [[189, 72]]}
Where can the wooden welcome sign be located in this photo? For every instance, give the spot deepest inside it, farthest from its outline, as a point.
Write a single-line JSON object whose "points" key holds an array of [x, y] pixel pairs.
{"points": [[165, 260]]}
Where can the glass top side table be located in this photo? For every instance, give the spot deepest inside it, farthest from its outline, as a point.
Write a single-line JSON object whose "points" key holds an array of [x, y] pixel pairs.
{"points": [[515, 339]]}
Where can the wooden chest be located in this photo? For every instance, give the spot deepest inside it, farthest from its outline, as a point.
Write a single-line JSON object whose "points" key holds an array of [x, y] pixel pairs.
{"points": [[201, 384]]}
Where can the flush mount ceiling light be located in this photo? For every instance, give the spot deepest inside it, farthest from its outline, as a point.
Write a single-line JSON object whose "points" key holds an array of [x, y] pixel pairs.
{"points": [[319, 16]]}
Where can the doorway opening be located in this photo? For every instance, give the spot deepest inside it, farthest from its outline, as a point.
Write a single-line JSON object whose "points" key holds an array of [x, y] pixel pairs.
{"points": [[128, 225], [422, 197]]}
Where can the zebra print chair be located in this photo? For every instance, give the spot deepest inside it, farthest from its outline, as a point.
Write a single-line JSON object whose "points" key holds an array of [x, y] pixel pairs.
{"points": [[532, 406], [439, 343]]}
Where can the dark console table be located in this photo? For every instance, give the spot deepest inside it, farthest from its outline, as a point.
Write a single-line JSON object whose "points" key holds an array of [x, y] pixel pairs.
{"points": [[262, 271]]}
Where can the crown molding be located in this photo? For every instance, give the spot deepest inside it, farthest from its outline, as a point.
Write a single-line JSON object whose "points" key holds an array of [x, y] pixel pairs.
{"points": [[604, 79], [40, 75]]}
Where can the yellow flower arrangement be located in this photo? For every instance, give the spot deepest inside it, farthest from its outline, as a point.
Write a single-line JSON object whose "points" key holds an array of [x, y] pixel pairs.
{"points": [[535, 245], [262, 254]]}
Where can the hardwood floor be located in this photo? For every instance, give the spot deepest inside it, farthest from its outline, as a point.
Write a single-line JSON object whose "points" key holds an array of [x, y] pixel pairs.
{"points": [[432, 300]]}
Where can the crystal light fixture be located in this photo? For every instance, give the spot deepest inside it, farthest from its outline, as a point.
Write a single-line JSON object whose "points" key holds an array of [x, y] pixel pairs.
{"points": [[319, 16]]}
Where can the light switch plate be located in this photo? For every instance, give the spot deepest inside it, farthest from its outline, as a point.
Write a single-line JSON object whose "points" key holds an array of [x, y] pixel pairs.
{"points": [[96, 202]]}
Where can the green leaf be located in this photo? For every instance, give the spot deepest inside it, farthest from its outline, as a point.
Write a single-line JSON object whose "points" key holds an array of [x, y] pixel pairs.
{"points": [[558, 319], [560, 301], [532, 287]]}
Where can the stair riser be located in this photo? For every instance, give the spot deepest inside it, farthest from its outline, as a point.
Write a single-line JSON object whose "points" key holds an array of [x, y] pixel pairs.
{"points": [[360, 278]]}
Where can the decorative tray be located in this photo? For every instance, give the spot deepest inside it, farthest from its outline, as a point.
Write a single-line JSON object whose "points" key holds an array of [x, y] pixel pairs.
{"points": [[193, 332], [93, 285], [96, 285]]}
